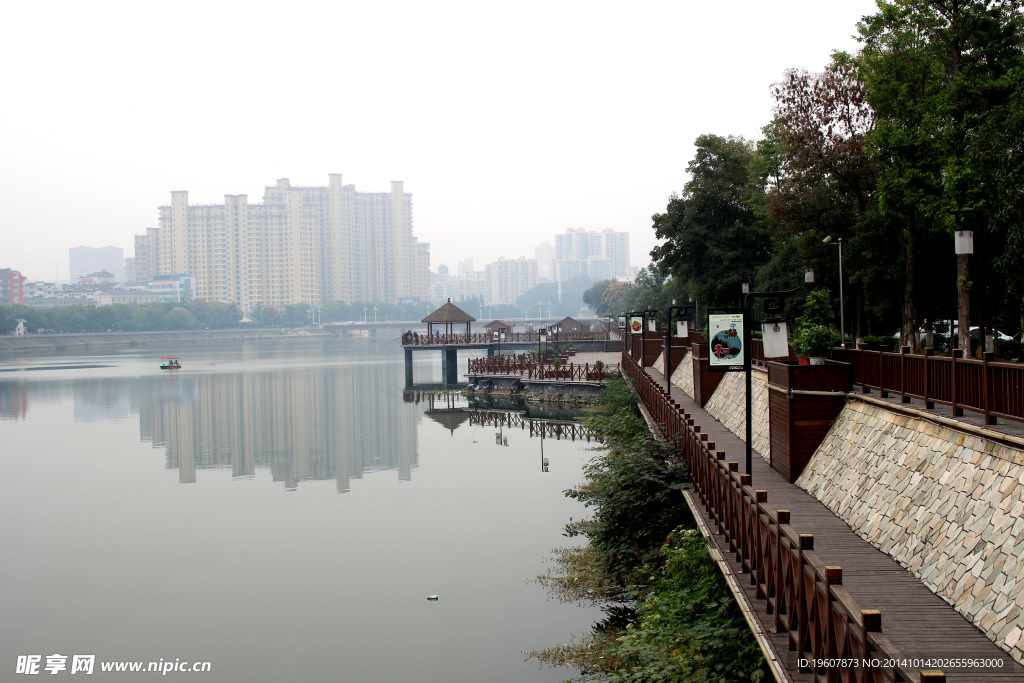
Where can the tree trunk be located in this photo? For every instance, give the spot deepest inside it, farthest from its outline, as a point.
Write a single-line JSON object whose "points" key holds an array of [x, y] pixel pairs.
{"points": [[963, 302]]}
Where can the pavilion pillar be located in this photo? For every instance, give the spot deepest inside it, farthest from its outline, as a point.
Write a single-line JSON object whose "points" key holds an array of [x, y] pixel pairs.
{"points": [[408, 367], [449, 366]]}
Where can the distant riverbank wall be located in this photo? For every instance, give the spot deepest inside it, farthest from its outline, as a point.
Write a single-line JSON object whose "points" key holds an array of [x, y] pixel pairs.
{"points": [[53, 343], [945, 499]]}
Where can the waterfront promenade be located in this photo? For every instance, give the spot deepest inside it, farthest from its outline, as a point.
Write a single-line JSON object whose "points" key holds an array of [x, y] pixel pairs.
{"points": [[811, 586]]}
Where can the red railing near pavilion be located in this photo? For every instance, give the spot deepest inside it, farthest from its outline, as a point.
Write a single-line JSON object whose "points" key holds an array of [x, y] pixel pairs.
{"points": [[560, 338], [528, 369]]}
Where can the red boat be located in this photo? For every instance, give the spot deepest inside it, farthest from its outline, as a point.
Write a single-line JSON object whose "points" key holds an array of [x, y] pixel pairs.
{"points": [[169, 363]]}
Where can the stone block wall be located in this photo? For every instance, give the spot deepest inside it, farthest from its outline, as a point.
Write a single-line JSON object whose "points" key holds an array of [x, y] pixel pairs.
{"points": [[947, 504], [728, 406], [683, 376], [659, 364]]}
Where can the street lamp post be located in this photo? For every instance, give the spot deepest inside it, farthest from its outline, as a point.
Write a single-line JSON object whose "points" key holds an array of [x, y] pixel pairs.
{"points": [[773, 304], [681, 313], [964, 246]]}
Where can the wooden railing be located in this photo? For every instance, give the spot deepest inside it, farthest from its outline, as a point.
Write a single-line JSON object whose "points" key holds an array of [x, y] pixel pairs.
{"points": [[558, 339], [526, 369], [804, 597], [993, 389]]}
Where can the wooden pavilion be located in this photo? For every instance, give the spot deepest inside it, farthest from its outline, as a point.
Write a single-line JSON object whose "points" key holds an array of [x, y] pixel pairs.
{"points": [[504, 326], [447, 317]]}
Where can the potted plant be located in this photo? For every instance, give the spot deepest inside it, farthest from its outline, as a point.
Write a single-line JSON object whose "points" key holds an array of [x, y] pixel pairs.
{"points": [[813, 338]]}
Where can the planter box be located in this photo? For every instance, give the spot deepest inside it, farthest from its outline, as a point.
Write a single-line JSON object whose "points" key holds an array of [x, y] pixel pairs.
{"points": [[652, 349], [680, 345], [799, 422]]}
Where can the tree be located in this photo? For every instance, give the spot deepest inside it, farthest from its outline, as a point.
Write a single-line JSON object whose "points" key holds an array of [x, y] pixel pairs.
{"points": [[827, 184], [594, 294], [714, 238], [939, 73]]}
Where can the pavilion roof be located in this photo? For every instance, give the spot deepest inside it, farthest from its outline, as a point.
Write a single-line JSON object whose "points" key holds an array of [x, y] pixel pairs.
{"points": [[451, 419], [449, 313]]}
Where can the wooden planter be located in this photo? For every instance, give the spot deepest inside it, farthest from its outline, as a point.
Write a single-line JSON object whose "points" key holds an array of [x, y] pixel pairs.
{"points": [[652, 350], [799, 421]]}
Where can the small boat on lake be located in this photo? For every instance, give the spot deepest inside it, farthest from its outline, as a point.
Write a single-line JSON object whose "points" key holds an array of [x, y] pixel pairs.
{"points": [[169, 363]]}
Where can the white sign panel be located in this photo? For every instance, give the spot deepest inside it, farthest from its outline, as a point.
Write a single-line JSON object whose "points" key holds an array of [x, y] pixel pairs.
{"points": [[776, 339]]}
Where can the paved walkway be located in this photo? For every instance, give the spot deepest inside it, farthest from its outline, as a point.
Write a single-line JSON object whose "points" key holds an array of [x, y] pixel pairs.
{"points": [[914, 619]]}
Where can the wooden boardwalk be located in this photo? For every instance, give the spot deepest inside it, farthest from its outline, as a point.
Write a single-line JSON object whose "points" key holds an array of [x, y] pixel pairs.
{"points": [[916, 621]]}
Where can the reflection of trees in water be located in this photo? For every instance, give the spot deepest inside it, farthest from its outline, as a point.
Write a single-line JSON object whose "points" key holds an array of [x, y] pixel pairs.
{"points": [[572, 577]]}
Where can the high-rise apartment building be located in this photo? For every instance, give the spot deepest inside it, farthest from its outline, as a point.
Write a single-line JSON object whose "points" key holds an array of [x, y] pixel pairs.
{"points": [[545, 256], [12, 287], [599, 255], [508, 280], [85, 260], [300, 245], [615, 248]]}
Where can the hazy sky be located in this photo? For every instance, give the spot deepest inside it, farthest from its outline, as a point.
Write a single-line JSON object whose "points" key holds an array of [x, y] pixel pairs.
{"points": [[508, 122]]}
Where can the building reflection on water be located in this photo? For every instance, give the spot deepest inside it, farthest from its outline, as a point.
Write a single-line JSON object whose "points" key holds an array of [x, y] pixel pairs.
{"points": [[316, 423], [313, 423]]}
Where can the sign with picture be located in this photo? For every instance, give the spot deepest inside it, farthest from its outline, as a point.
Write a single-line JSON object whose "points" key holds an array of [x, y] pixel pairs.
{"points": [[636, 324], [725, 341]]}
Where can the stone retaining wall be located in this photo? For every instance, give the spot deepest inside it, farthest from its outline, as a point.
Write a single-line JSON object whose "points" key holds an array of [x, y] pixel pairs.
{"points": [[728, 406], [659, 364], [683, 376], [946, 504]]}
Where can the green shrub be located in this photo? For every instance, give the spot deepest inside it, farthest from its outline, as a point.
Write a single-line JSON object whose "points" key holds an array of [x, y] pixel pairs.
{"points": [[689, 627], [632, 487]]}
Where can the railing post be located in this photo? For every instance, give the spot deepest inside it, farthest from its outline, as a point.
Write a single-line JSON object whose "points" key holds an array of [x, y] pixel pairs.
{"points": [[986, 399], [903, 374], [928, 404], [957, 410]]}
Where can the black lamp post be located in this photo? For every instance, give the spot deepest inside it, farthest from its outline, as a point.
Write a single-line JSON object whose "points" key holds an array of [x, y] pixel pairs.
{"points": [[676, 314], [629, 326], [648, 316], [773, 303]]}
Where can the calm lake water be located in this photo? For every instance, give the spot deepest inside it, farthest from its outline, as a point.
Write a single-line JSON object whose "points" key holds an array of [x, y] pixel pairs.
{"points": [[280, 510]]}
